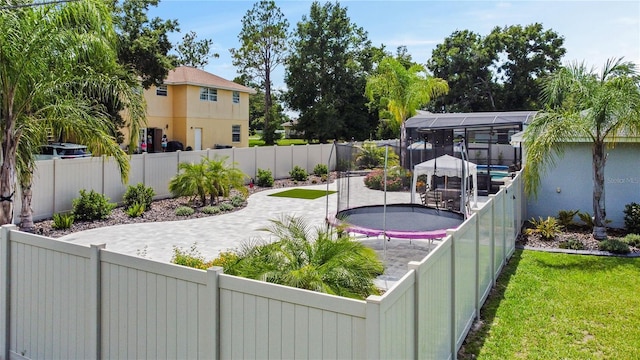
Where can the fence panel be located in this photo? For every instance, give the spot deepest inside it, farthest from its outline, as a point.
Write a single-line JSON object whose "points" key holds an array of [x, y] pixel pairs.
{"points": [[266, 159], [262, 320], [136, 172], [434, 304], [194, 157], [245, 160], [485, 252], [159, 170], [498, 231], [112, 185], [68, 184], [509, 219], [397, 319], [314, 156], [151, 309], [300, 157], [465, 277], [43, 190], [284, 161], [50, 317]]}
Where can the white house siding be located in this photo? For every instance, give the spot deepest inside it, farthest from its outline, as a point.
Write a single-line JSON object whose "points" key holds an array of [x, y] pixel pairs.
{"points": [[569, 186]]}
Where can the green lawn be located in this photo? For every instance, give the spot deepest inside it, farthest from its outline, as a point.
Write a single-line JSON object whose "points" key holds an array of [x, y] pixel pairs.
{"points": [[256, 141], [303, 193], [559, 306]]}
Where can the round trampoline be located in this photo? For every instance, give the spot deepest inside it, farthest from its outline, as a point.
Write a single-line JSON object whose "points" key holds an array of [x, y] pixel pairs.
{"points": [[402, 221]]}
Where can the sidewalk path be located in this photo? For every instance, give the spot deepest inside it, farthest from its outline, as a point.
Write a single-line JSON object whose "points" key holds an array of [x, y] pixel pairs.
{"points": [[215, 234], [211, 234]]}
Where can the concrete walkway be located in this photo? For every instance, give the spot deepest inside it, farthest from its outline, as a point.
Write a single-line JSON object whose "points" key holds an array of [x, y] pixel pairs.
{"points": [[212, 235]]}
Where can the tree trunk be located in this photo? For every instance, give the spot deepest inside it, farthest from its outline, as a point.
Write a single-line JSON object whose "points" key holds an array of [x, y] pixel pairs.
{"points": [[403, 144], [26, 213], [599, 215], [7, 176], [267, 106]]}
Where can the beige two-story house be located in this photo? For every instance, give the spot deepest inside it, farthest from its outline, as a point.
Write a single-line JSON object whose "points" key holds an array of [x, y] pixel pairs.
{"points": [[198, 109]]}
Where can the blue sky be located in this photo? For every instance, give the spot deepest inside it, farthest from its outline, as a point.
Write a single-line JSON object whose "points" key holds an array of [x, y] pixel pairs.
{"points": [[593, 30]]}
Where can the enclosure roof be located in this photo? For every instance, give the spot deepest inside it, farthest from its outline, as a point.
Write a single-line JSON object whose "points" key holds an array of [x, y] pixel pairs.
{"points": [[431, 121]]}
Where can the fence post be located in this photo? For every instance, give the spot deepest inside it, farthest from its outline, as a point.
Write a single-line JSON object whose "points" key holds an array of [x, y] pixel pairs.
{"points": [[454, 323], [415, 266], [477, 270], [95, 301], [209, 334], [5, 289], [373, 327]]}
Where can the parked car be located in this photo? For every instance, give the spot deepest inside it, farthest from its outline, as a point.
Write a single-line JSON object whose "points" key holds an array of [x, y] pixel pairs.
{"points": [[62, 151]]}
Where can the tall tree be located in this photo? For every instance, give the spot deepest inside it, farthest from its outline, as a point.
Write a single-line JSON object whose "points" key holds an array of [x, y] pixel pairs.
{"points": [[143, 43], [143, 49], [264, 47], [465, 63], [326, 75], [529, 53], [581, 103], [403, 91], [195, 53], [500, 71], [49, 86]]}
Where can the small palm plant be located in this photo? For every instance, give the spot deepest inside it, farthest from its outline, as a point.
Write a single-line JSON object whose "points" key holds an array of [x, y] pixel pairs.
{"points": [[191, 181], [310, 259], [212, 177]]}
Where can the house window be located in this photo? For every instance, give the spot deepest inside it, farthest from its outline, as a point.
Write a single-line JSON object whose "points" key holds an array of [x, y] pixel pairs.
{"points": [[235, 133], [161, 90], [208, 94], [236, 97]]}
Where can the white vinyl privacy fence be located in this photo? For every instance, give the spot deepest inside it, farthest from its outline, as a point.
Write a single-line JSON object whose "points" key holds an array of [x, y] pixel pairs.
{"points": [[60, 300], [57, 182]]}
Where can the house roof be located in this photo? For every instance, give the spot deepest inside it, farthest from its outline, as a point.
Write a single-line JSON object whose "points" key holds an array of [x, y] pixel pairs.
{"points": [[431, 121], [186, 75]]}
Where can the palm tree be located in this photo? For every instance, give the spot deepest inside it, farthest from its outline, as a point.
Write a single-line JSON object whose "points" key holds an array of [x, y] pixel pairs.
{"points": [[310, 260], [403, 91], [223, 177], [57, 63], [191, 181], [583, 104], [210, 177]]}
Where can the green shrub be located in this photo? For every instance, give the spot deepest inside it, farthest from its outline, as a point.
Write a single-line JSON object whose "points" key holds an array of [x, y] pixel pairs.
{"points": [[298, 174], [632, 218], [191, 258], [614, 246], [372, 156], [632, 240], [586, 219], [565, 217], [547, 228], [184, 211], [135, 210], [320, 169], [226, 207], [226, 259], [237, 200], [264, 178], [92, 206], [138, 194], [572, 244], [211, 210], [324, 177], [62, 221], [396, 179]]}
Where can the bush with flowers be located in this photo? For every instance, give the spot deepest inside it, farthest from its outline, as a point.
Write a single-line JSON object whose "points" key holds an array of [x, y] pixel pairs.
{"points": [[398, 179]]}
